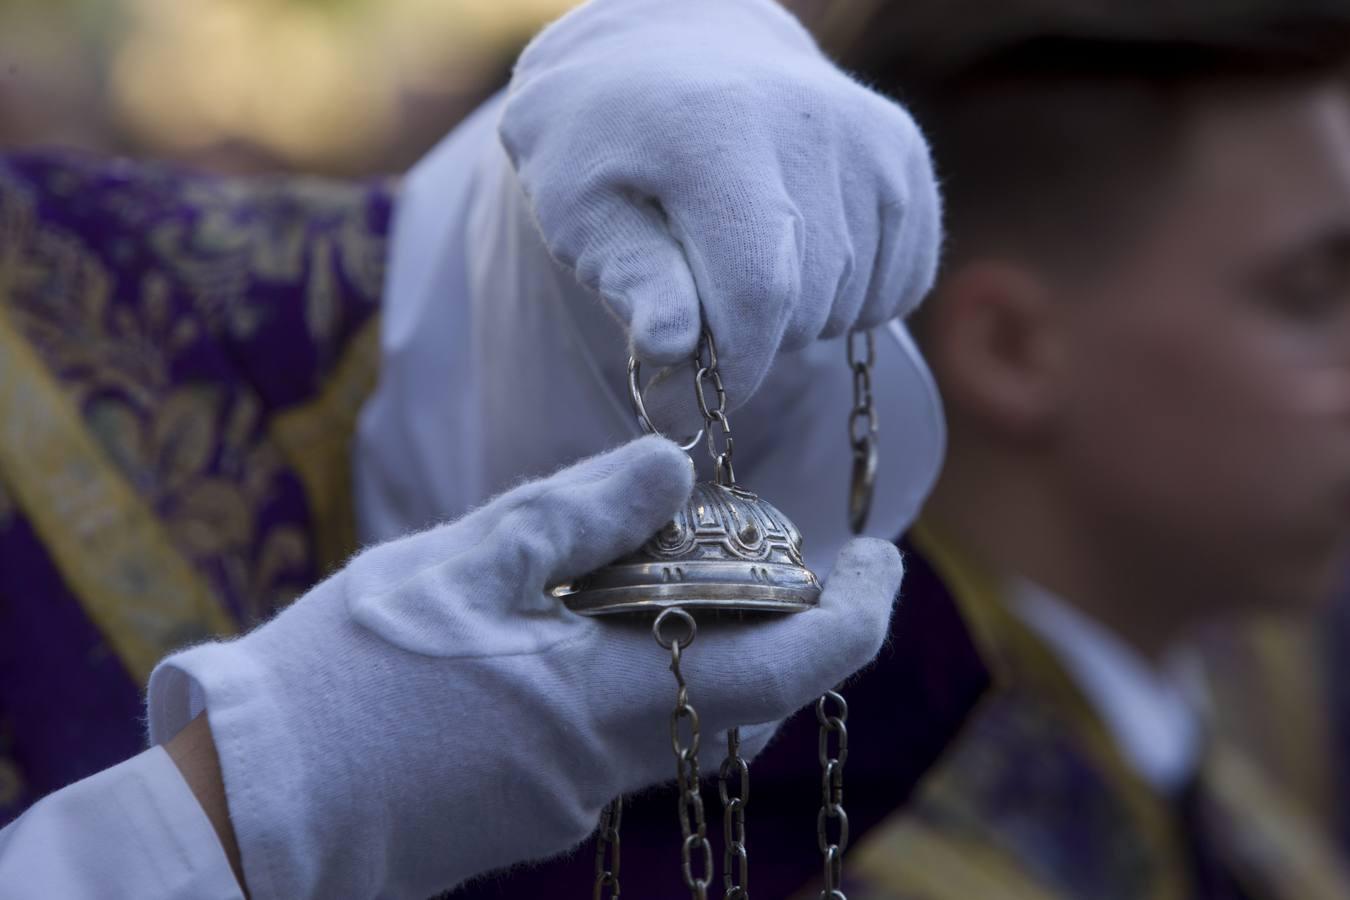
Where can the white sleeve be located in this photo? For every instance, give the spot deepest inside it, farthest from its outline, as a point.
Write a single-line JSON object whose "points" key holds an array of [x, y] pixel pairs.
{"points": [[134, 831], [497, 365]]}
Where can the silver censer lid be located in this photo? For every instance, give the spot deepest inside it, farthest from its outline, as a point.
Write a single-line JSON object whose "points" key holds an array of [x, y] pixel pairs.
{"points": [[726, 550]]}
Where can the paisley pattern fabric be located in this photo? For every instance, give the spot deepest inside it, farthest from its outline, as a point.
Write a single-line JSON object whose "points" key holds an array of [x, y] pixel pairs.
{"points": [[1034, 801], [182, 359]]}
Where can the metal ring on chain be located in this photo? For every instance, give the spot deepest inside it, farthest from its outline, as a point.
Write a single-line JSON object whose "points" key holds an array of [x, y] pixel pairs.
{"points": [[640, 407], [862, 435], [714, 418], [698, 884], [862, 431], [832, 791], [706, 344], [735, 859], [684, 711], [862, 425], [693, 823], [834, 876], [718, 414], [691, 629], [862, 485], [607, 851], [869, 344], [833, 725], [840, 842], [824, 718]]}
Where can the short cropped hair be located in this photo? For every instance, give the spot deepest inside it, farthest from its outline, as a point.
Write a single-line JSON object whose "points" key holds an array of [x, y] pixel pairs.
{"points": [[1046, 117]]}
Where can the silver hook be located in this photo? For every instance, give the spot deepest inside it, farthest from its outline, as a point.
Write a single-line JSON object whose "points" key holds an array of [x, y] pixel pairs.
{"points": [[640, 408]]}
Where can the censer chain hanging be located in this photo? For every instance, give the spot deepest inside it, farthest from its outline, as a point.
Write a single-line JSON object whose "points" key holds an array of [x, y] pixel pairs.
{"points": [[831, 709], [727, 552]]}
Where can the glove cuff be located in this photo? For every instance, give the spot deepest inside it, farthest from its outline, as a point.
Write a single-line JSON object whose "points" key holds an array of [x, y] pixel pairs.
{"points": [[298, 826]]}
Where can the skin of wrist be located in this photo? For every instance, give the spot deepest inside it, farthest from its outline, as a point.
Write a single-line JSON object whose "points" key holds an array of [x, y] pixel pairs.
{"points": [[194, 752]]}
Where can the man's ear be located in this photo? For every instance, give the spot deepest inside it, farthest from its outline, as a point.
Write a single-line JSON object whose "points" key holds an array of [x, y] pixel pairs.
{"points": [[991, 334]]}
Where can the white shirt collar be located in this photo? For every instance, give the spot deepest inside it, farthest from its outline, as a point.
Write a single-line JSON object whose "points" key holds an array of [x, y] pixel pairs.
{"points": [[1142, 705]]}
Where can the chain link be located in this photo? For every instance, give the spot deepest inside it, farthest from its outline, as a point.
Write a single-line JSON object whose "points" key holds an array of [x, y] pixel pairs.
{"points": [[714, 417], [693, 825], [864, 414], [735, 863], [862, 428], [607, 851], [832, 847], [862, 435]]}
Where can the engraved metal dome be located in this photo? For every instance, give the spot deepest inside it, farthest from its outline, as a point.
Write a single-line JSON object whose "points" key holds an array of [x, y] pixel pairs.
{"points": [[725, 550]]}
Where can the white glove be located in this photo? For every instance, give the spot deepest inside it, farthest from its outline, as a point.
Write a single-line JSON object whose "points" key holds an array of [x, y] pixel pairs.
{"points": [[707, 150], [429, 712]]}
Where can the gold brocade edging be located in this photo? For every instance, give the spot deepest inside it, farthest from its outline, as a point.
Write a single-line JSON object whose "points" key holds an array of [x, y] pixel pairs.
{"points": [[1266, 687], [1280, 852], [110, 547], [911, 860], [1014, 653], [1018, 657], [316, 440]]}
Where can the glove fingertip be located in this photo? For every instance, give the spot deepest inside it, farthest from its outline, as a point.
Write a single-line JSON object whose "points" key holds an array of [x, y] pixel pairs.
{"points": [[663, 472], [665, 331], [872, 558], [613, 503], [865, 580]]}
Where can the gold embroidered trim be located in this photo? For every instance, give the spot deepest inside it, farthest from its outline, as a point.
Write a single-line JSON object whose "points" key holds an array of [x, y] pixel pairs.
{"points": [[316, 439], [1017, 656], [910, 859], [1277, 851], [111, 549]]}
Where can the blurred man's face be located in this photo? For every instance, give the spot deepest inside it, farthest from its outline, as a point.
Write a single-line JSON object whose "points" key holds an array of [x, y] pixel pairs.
{"points": [[1206, 376]]}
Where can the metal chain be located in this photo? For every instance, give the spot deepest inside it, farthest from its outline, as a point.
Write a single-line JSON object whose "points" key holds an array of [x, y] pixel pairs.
{"points": [[714, 418], [607, 851], [693, 826], [862, 429], [862, 435], [735, 863], [832, 793]]}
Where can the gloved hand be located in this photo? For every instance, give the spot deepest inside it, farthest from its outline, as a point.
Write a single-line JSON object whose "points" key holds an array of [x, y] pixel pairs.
{"points": [[707, 150], [429, 712]]}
